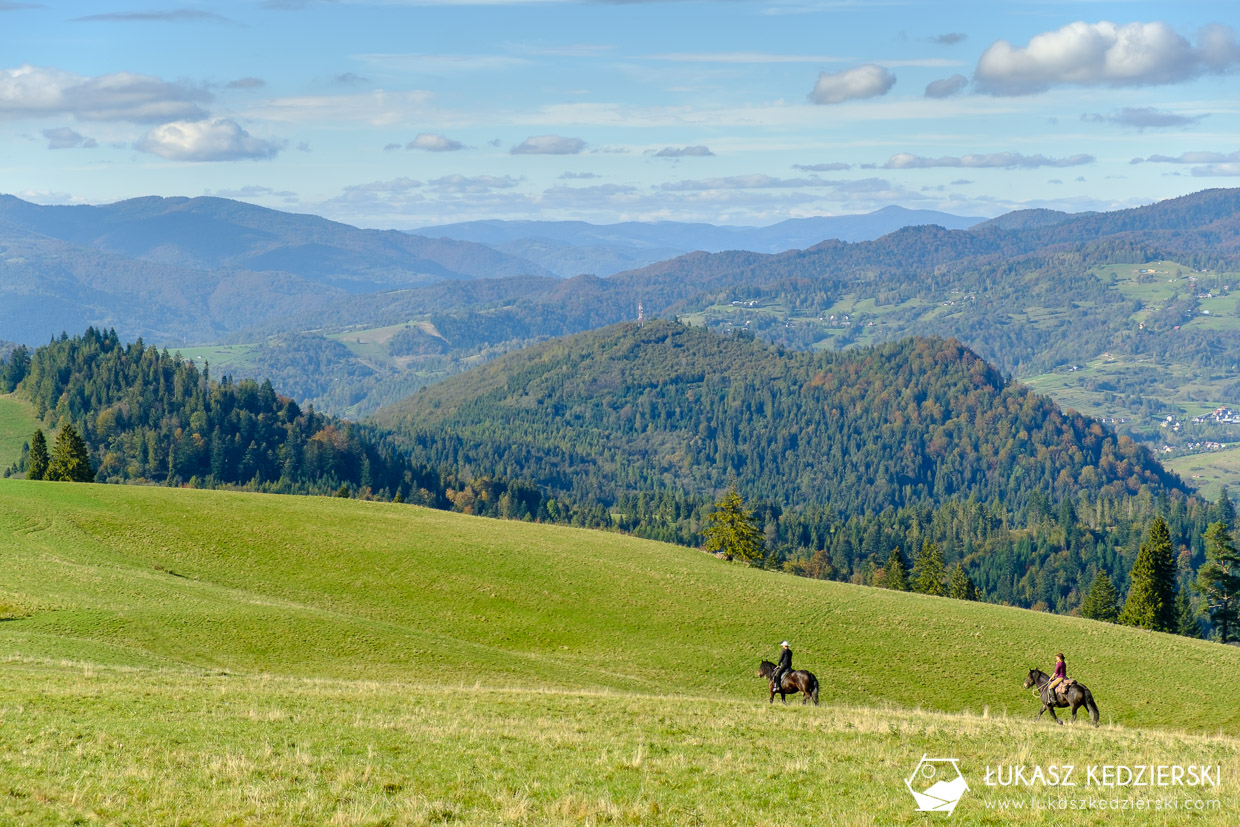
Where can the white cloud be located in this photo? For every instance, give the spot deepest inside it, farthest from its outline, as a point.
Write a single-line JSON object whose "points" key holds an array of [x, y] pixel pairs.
{"points": [[462, 184], [946, 87], [66, 138], [1198, 157], [835, 166], [33, 91], [858, 83], [218, 139], [683, 152], [1143, 117], [549, 145], [1210, 170], [253, 191], [994, 160], [434, 142], [1105, 54]]}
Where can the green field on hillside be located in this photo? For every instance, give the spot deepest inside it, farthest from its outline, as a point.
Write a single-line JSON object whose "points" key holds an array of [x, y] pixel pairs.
{"points": [[17, 425], [182, 656]]}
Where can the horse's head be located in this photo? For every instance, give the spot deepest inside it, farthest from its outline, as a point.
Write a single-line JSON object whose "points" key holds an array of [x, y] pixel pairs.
{"points": [[766, 669], [1032, 680]]}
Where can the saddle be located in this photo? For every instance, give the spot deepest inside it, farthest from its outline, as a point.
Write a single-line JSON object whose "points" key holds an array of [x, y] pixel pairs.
{"points": [[1061, 691]]}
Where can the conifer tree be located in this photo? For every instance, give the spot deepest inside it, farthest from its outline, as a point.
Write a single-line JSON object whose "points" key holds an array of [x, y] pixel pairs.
{"points": [[70, 458], [1188, 625], [731, 529], [1151, 597], [930, 570], [897, 572], [1100, 601], [1224, 510], [1218, 580], [960, 585], [36, 463]]}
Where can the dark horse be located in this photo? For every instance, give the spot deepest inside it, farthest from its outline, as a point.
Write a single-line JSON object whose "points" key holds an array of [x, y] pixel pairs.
{"points": [[796, 681], [1078, 695]]}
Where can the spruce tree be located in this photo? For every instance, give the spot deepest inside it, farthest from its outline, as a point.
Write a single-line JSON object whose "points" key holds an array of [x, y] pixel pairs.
{"points": [[1099, 602], [1218, 580], [960, 585], [36, 463], [731, 529], [897, 572], [1188, 625], [929, 570], [70, 458], [1224, 510], [1151, 597]]}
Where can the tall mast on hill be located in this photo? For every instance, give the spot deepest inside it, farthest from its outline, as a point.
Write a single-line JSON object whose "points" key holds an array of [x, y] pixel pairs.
{"points": [[641, 315]]}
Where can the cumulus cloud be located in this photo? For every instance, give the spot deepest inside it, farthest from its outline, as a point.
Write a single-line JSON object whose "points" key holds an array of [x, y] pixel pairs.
{"points": [[66, 138], [1207, 164], [946, 87], [682, 152], [831, 167], [995, 160], [216, 139], [1105, 54], [1199, 157], [433, 142], [858, 83], [32, 91], [462, 184], [1143, 117], [549, 145]]}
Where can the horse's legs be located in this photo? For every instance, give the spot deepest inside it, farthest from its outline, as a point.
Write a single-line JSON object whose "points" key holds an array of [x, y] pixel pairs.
{"points": [[1051, 710]]}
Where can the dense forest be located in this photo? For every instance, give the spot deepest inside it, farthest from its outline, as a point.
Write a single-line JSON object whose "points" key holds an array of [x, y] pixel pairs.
{"points": [[631, 408], [845, 458]]}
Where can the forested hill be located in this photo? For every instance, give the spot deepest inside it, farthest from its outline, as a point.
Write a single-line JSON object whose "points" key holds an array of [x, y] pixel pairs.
{"points": [[668, 406]]}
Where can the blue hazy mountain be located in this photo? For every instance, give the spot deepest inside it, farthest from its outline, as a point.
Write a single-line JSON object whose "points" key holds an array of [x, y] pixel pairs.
{"points": [[569, 248]]}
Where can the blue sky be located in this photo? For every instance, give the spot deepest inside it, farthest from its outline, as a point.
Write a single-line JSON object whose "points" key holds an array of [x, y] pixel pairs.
{"points": [[403, 114]]}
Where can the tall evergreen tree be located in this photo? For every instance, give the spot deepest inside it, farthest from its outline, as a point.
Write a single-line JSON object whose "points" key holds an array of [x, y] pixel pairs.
{"points": [[731, 529], [1224, 510], [960, 585], [929, 567], [1099, 602], [36, 463], [1188, 625], [70, 458], [1151, 597], [1218, 580], [897, 572]]}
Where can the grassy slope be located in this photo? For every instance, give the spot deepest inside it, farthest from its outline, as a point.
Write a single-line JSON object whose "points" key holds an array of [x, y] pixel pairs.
{"points": [[17, 424], [216, 656]]}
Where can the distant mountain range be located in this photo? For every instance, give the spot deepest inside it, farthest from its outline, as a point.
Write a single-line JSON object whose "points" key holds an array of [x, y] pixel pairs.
{"points": [[570, 248], [195, 268]]}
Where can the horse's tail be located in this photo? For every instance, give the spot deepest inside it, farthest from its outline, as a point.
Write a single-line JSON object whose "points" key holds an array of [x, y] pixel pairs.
{"points": [[1091, 706], [813, 691]]}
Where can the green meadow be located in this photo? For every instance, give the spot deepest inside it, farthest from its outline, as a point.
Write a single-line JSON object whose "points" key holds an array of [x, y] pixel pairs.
{"points": [[17, 425], [188, 657]]}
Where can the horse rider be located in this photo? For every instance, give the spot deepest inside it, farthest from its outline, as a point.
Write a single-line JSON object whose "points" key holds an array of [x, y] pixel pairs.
{"points": [[784, 667], [1060, 676]]}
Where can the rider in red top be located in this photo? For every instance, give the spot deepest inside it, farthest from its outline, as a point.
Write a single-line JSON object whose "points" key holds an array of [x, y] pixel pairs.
{"points": [[1061, 673]]}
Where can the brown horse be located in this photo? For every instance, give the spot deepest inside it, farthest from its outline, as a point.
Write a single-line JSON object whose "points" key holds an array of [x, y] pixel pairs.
{"points": [[1077, 696], [796, 681]]}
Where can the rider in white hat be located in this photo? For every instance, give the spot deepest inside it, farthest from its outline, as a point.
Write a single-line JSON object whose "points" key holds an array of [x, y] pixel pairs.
{"points": [[784, 667]]}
